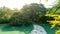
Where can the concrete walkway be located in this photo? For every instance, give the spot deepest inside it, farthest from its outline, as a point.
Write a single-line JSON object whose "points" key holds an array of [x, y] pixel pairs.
{"points": [[38, 30]]}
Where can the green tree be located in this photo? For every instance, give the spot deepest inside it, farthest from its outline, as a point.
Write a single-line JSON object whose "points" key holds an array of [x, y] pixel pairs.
{"points": [[28, 14], [5, 14]]}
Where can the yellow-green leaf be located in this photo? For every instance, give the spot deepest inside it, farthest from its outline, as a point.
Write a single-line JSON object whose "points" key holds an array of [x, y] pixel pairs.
{"points": [[46, 0]]}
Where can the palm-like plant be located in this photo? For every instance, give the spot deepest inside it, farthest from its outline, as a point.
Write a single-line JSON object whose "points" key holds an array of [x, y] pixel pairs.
{"points": [[51, 13], [54, 9]]}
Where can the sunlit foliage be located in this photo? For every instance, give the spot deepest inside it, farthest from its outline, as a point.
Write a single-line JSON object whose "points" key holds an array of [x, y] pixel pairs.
{"points": [[46, 0], [5, 14], [54, 12], [57, 32], [54, 22]]}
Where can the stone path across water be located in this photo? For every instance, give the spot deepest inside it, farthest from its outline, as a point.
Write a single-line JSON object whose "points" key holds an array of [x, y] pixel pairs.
{"points": [[38, 30]]}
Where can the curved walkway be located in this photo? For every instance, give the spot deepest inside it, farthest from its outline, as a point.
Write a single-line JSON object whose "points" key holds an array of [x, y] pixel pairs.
{"points": [[38, 30]]}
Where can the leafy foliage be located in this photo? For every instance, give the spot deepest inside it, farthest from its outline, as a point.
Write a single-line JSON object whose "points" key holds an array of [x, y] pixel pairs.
{"points": [[52, 13], [57, 32], [54, 22], [5, 14], [28, 14]]}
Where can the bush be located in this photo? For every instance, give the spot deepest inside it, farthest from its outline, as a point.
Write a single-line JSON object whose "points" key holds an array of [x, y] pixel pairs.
{"points": [[18, 19]]}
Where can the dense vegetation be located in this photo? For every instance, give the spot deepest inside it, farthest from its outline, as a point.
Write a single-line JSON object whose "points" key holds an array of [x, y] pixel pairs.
{"points": [[28, 14]]}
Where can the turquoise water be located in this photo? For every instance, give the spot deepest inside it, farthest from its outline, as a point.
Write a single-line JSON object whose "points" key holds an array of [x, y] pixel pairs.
{"points": [[15, 30], [5, 29]]}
